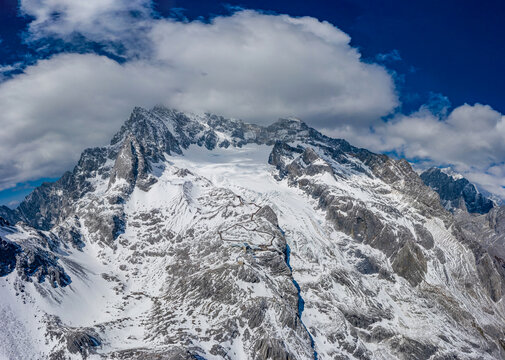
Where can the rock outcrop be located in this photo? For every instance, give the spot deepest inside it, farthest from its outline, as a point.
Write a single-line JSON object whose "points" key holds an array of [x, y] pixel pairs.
{"points": [[456, 192]]}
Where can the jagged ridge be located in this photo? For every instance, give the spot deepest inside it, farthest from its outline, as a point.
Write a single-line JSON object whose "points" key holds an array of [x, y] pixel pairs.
{"points": [[176, 225]]}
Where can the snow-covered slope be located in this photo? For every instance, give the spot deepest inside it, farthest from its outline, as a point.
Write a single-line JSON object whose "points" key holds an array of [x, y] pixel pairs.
{"points": [[200, 237]]}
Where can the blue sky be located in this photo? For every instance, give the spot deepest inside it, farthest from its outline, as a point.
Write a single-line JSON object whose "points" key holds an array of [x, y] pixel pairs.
{"points": [[429, 75]]}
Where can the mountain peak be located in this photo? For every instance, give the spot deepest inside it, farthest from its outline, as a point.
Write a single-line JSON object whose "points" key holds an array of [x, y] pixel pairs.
{"points": [[150, 131], [289, 123], [455, 191], [450, 172]]}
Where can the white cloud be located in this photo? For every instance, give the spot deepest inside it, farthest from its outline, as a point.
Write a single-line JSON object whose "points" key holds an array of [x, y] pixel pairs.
{"points": [[100, 19], [392, 56], [249, 65], [12, 204], [261, 67], [114, 23]]}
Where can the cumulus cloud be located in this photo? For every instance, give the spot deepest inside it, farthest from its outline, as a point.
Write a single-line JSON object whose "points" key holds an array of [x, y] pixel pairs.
{"points": [[97, 19], [260, 67], [57, 107], [249, 65]]}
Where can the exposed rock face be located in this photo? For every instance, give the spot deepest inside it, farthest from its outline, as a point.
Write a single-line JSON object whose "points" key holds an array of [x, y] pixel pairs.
{"points": [[130, 168], [52, 203], [151, 133], [410, 263], [456, 193], [29, 258], [267, 213], [78, 341], [8, 252], [8, 215], [201, 237]]}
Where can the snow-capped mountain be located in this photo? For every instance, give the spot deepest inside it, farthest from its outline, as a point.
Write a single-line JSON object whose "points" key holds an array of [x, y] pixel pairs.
{"points": [[200, 237], [456, 192]]}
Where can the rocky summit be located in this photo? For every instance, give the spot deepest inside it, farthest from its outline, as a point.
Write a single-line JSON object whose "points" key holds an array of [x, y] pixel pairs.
{"points": [[201, 237], [456, 192]]}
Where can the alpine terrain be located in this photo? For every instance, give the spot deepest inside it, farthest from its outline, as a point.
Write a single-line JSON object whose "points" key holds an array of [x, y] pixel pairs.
{"points": [[201, 237]]}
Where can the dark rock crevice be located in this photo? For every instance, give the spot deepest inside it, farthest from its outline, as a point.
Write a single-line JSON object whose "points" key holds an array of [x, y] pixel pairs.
{"points": [[301, 301]]}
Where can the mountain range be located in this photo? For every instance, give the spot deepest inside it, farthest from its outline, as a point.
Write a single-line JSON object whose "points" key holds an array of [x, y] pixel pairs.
{"points": [[202, 237]]}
